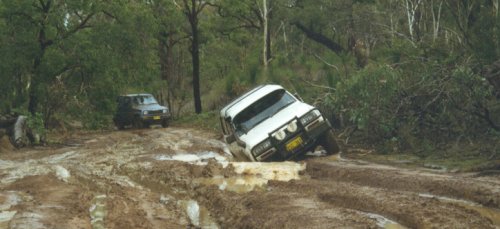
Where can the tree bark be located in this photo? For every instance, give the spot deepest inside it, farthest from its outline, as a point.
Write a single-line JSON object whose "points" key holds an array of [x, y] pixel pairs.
{"points": [[192, 10], [436, 20], [320, 38], [265, 29], [165, 50], [195, 52]]}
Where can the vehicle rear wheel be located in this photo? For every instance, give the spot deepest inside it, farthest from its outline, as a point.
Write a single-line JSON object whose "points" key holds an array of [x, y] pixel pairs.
{"points": [[138, 124], [119, 125], [165, 123], [329, 143]]}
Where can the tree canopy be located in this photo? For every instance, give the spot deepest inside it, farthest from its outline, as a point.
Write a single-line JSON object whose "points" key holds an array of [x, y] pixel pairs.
{"points": [[391, 69]]}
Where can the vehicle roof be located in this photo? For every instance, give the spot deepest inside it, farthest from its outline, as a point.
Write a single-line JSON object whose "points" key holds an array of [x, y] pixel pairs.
{"points": [[240, 103]]}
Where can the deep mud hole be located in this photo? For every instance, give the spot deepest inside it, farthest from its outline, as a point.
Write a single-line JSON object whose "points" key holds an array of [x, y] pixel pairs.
{"points": [[182, 178]]}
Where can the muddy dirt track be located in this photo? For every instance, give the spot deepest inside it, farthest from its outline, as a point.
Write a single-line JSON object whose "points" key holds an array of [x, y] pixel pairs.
{"points": [[184, 178]]}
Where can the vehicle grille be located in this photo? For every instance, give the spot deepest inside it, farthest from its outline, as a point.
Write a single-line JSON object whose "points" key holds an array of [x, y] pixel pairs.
{"points": [[156, 112]]}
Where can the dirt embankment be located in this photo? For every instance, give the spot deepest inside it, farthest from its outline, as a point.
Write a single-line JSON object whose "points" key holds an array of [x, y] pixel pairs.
{"points": [[178, 178]]}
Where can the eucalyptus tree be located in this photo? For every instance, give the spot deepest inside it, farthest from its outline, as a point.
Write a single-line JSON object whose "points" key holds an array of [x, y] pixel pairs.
{"points": [[343, 27], [252, 15], [62, 53], [169, 22], [37, 29], [192, 10]]}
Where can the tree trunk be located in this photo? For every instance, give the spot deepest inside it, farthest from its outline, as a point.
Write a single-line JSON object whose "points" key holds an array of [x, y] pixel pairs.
{"points": [[167, 65], [195, 52], [436, 19], [266, 38], [411, 13], [32, 96], [170, 75], [320, 38], [192, 14]]}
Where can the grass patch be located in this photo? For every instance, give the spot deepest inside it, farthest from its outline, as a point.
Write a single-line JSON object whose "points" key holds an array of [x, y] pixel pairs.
{"points": [[464, 156], [445, 161], [205, 121]]}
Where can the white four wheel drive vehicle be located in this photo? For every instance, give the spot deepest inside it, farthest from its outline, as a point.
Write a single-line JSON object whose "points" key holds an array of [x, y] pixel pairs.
{"points": [[270, 124]]}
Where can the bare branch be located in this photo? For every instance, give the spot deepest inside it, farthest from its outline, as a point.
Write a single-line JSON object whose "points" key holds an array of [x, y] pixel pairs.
{"points": [[324, 61], [83, 24]]}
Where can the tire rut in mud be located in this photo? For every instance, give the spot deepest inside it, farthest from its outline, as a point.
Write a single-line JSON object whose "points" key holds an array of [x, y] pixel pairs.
{"points": [[138, 179], [457, 186]]}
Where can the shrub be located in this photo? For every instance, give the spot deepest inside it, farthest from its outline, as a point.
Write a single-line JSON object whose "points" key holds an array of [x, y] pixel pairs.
{"points": [[366, 100]]}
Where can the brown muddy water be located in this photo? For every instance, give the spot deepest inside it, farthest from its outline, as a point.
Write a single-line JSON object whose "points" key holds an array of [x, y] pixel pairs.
{"points": [[185, 178]]}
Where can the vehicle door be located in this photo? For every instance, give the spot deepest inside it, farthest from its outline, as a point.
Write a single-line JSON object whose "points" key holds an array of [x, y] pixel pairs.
{"points": [[125, 109]]}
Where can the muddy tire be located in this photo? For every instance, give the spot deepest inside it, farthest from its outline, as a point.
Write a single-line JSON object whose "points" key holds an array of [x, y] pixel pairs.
{"points": [[164, 123], [329, 143], [137, 123], [119, 125]]}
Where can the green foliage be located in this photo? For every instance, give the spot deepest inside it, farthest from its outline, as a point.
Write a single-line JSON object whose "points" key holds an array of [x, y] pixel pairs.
{"points": [[398, 88], [366, 100], [205, 121], [36, 123], [96, 120]]}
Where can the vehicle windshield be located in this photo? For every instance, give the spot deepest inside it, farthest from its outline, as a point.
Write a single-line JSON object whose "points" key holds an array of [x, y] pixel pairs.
{"points": [[260, 110], [144, 99]]}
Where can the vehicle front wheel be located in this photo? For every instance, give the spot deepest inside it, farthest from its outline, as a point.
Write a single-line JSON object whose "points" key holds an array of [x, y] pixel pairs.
{"points": [[119, 125], [164, 123], [329, 143], [138, 124]]}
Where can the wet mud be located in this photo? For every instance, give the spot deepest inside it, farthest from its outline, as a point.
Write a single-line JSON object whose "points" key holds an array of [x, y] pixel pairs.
{"points": [[185, 178]]}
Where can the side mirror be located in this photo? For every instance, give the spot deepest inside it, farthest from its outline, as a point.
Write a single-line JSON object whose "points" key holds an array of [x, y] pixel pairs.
{"points": [[229, 138]]}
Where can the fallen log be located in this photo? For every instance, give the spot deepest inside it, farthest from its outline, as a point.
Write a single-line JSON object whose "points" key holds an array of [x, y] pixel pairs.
{"points": [[16, 129], [19, 132]]}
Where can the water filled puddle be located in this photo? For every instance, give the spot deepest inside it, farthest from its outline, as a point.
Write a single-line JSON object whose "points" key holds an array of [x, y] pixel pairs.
{"points": [[197, 159], [322, 154], [249, 175], [5, 217], [385, 222], [98, 212], [241, 184], [490, 213], [281, 171], [62, 173], [254, 175], [198, 215], [7, 201]]}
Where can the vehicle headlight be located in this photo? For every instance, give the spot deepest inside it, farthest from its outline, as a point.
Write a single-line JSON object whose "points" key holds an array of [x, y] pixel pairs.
{"points": [[309, 117], [261, 147], [279, 135], [292, 127], [145, 112], [164, 110]]}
